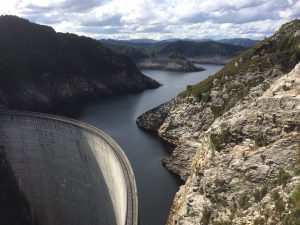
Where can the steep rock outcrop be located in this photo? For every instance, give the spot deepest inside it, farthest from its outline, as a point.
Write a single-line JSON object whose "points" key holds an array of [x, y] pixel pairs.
{"points": [[261, 145], [154, 118]]}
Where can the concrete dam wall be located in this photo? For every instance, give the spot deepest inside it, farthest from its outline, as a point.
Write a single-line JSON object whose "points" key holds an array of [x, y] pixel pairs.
{"points": [[58, 171]]}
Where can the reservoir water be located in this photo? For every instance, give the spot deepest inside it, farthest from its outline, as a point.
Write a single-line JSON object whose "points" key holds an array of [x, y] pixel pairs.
{"points": [[116, 116]]}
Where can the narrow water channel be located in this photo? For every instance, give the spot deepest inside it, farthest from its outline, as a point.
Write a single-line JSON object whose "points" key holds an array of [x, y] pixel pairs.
{"points": [[116, 116]]}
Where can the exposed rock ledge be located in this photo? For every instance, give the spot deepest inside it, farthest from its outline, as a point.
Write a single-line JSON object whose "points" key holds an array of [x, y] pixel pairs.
{"points": [[154, 118]]}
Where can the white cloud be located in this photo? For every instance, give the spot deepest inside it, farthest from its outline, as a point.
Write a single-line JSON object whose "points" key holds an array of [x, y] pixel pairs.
{"points": [[158, 18]]}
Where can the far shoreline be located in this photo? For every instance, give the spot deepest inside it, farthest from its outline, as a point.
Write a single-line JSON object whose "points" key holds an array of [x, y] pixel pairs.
{"points": [[169, 64]]}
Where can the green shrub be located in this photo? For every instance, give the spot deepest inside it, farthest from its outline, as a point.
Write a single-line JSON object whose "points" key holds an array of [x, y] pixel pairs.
{"points": [[222, 222], [265, 86], [279, 206], [275, 195], [283, 178], [297, 162], [297, 170], [260, 141], [259, 221], [189, 87], [298, 155], [264, 191], [233, 208], [294, 217], [263, 157], [273, 223], [256, 195], [217, 110], [206, 98], [243, 201], [221, 138], [202, 87], [206, 216], [295, 198], [286, 88], [259, 194]]}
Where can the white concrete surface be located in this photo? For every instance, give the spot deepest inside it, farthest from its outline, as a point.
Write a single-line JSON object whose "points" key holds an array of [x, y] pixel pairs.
{"points": [[71, 173]]}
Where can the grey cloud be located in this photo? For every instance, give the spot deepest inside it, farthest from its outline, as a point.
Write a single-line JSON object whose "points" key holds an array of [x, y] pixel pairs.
{"points": [[48, 20], [66, 6], [34, 9], [159, 28], [112, 20], [244, 15], [100, 30], [197, 18], [80, 5], [156, 19]]}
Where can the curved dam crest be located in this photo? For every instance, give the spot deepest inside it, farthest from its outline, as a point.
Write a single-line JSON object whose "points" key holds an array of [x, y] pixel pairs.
{"points": [[68, 172]]}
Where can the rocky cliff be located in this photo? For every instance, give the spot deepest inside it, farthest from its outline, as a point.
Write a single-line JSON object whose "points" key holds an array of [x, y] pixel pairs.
{"points": [[41, 69], [237, 136]]}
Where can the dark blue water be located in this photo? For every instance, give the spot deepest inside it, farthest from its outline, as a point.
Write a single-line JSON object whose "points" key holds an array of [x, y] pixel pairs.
{"points": [[116, 116]]}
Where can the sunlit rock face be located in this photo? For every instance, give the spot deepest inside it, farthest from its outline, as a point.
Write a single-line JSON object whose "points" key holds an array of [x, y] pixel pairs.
{"points": [[263, 136]]}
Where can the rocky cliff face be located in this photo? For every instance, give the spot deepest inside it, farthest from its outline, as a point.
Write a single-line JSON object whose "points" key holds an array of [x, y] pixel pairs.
{"points": [[251, 148], [237, 136], [41, 69]]}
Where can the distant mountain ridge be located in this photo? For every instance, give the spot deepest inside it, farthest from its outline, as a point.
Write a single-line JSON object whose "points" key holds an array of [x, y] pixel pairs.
{"points": [[41, 69], [190, 49], [246, 42], [195, 49]]}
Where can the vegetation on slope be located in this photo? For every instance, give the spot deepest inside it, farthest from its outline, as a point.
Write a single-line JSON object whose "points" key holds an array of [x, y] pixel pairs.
{"points": [[293, 218], [281, 50]]}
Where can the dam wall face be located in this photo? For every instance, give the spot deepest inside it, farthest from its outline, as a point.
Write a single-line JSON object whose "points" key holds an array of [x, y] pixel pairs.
{"points": [[63, 172]]}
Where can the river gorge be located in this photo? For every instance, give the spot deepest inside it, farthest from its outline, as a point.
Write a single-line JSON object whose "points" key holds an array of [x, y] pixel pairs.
{"points": [[116, 116]]}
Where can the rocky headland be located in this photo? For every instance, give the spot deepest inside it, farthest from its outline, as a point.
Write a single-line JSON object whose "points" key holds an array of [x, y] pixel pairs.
{"points": [[237, 137], [169, 64], [42, 69]]}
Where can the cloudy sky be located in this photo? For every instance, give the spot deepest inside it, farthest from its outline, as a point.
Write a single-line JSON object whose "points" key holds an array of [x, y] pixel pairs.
{"points": [[158, 19]]}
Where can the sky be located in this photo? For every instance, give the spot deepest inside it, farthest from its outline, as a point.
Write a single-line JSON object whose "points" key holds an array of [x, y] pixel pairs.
{"points": [[158, 19]]}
